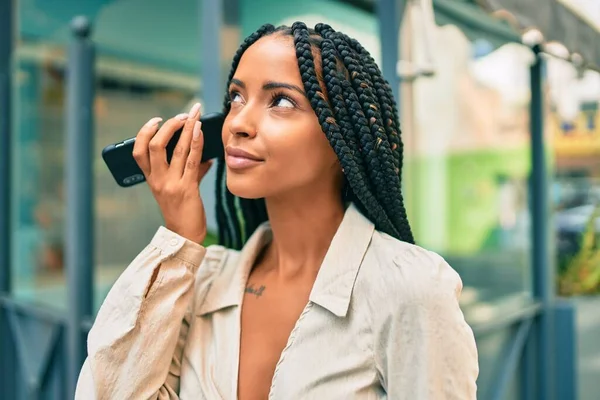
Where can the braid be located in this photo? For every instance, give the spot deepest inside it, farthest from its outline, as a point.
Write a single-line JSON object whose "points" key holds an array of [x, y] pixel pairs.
{"points": [[357, 112], [390, 115], [352, 164], [374, 135], [384, 94], [387, 135], [222, 220]]}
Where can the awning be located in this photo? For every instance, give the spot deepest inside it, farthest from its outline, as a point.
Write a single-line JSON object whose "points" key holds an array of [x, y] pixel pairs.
{"points": [[555, 21], [505, 20]]}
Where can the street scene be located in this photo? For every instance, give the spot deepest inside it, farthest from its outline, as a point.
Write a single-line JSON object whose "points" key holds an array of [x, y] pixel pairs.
{"points": [[498, 104]]}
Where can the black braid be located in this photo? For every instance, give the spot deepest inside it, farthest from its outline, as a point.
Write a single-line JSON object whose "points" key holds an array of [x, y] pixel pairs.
{"points": [[372, 136], [384, 94], [383, 90], [338, 94], [387, 140], [390, 114], [358, 114], [224, 231], [329, 123]]}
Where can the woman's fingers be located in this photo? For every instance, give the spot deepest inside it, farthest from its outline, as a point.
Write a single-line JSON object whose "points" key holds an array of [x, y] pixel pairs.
{"points": [[158, 144], [182, 149], [140, 147], [151, 143], [194, 169], [176, 192]]}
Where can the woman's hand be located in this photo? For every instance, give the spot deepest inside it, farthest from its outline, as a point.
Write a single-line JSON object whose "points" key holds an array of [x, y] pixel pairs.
{"points": [[175, 186]]}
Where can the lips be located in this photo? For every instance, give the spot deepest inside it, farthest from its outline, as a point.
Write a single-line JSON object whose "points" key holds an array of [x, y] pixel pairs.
{"points": [[237, 152], [238, 159]]}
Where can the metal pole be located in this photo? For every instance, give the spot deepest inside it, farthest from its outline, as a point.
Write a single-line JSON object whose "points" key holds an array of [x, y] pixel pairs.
{"points": [[79, 184], [566, 350], [6, 63], [7, 34], [543, 282], [211, 90], [390, 14], [211, 19]]}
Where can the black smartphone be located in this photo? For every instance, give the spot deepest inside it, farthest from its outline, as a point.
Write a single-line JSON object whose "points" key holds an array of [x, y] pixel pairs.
{"points": [[123, 167]]}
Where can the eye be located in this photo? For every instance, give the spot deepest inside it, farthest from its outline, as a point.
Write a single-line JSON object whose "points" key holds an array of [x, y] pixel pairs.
{"points": [[235, 97], [282, 101]]}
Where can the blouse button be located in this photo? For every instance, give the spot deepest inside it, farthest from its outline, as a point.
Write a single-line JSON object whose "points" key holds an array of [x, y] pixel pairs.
{"points": [[174, 242]]}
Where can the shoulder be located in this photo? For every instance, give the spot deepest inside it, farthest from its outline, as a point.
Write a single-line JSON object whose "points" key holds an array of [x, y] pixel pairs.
{"points": [[218, 265], [219, 260], [401, 273], [417, 325], [216, 254], [410, 289], [215, 280]]}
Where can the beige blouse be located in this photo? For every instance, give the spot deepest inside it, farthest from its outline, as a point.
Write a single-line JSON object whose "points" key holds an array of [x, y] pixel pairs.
{"points": [[382, 322]]}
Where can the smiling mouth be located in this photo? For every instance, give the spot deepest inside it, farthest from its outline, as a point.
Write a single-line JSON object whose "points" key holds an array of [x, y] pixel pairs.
{"points": [[235, 162], [238, 159]]}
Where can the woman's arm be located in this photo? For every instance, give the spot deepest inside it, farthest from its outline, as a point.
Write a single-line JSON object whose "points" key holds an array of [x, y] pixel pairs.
{"points": [[425, 349], [136, 343]]}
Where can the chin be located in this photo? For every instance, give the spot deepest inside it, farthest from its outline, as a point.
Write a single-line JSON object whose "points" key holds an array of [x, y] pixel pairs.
{"points": [[245, 186]]}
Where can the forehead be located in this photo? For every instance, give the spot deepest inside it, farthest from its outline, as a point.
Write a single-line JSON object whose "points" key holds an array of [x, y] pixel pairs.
{"points": [[272, 57]]}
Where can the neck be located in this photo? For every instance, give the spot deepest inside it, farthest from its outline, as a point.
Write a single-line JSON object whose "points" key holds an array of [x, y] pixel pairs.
{"points": [[303, 227]]}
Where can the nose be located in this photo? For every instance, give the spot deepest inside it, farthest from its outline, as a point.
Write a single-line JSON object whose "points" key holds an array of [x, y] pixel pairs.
{"points": [[243, 123]]}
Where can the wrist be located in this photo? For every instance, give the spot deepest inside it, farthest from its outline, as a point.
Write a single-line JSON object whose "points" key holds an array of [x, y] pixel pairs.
{"points": [[196, 237]]}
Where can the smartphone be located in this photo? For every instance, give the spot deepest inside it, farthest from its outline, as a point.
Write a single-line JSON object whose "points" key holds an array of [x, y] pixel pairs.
{"points": [[123, 167]]}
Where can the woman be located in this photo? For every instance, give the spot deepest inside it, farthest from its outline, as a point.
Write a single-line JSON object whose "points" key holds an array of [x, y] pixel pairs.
{"points": [[329, 299]]}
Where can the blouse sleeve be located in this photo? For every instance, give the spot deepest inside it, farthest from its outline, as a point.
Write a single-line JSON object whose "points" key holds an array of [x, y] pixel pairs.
{"points": [[136, 343]]}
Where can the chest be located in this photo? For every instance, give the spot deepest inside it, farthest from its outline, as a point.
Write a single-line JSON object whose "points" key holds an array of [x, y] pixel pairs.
{"points": [[268, 318], [324, 357]]}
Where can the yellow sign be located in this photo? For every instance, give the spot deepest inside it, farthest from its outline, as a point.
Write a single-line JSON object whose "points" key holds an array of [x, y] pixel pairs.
{"points": [[582, 137]]}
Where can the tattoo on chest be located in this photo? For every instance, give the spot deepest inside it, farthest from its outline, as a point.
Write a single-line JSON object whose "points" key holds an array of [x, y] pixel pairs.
{"points": [[255, 291]]}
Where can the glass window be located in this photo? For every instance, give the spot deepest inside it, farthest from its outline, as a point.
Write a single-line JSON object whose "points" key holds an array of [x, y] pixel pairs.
{"points": [[126, 218], [37, 175], [141, 73]]}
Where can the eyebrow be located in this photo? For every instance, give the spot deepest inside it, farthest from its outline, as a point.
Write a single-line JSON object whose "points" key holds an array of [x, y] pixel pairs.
{"points": [[271, 85]]}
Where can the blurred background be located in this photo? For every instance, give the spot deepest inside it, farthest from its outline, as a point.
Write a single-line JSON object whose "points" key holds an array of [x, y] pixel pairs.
{"points": [[500, 115]]}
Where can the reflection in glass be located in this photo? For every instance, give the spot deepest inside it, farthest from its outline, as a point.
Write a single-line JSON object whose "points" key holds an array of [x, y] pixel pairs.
{"points": [[125, 218]]}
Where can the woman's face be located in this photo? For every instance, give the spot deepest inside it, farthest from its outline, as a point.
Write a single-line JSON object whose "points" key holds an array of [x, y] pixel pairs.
{"points": [[273, 140]]}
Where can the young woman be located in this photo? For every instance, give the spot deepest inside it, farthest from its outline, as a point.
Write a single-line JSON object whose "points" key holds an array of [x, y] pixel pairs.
{"points": [[328, 298]]}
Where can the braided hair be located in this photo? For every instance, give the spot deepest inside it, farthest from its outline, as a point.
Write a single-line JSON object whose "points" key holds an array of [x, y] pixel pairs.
{"points": [[357, 113]]}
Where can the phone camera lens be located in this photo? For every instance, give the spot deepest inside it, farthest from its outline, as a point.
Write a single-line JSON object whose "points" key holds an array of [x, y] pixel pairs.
{"points": [[133, 179]]}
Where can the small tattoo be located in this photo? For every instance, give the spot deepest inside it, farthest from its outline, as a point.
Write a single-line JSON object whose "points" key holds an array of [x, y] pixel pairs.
{"points": [[257, 292]]}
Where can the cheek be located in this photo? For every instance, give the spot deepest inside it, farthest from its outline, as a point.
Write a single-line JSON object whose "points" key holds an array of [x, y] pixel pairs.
{"points": [[225, 132], [296, 155], [319, 148], [303, 152]]}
